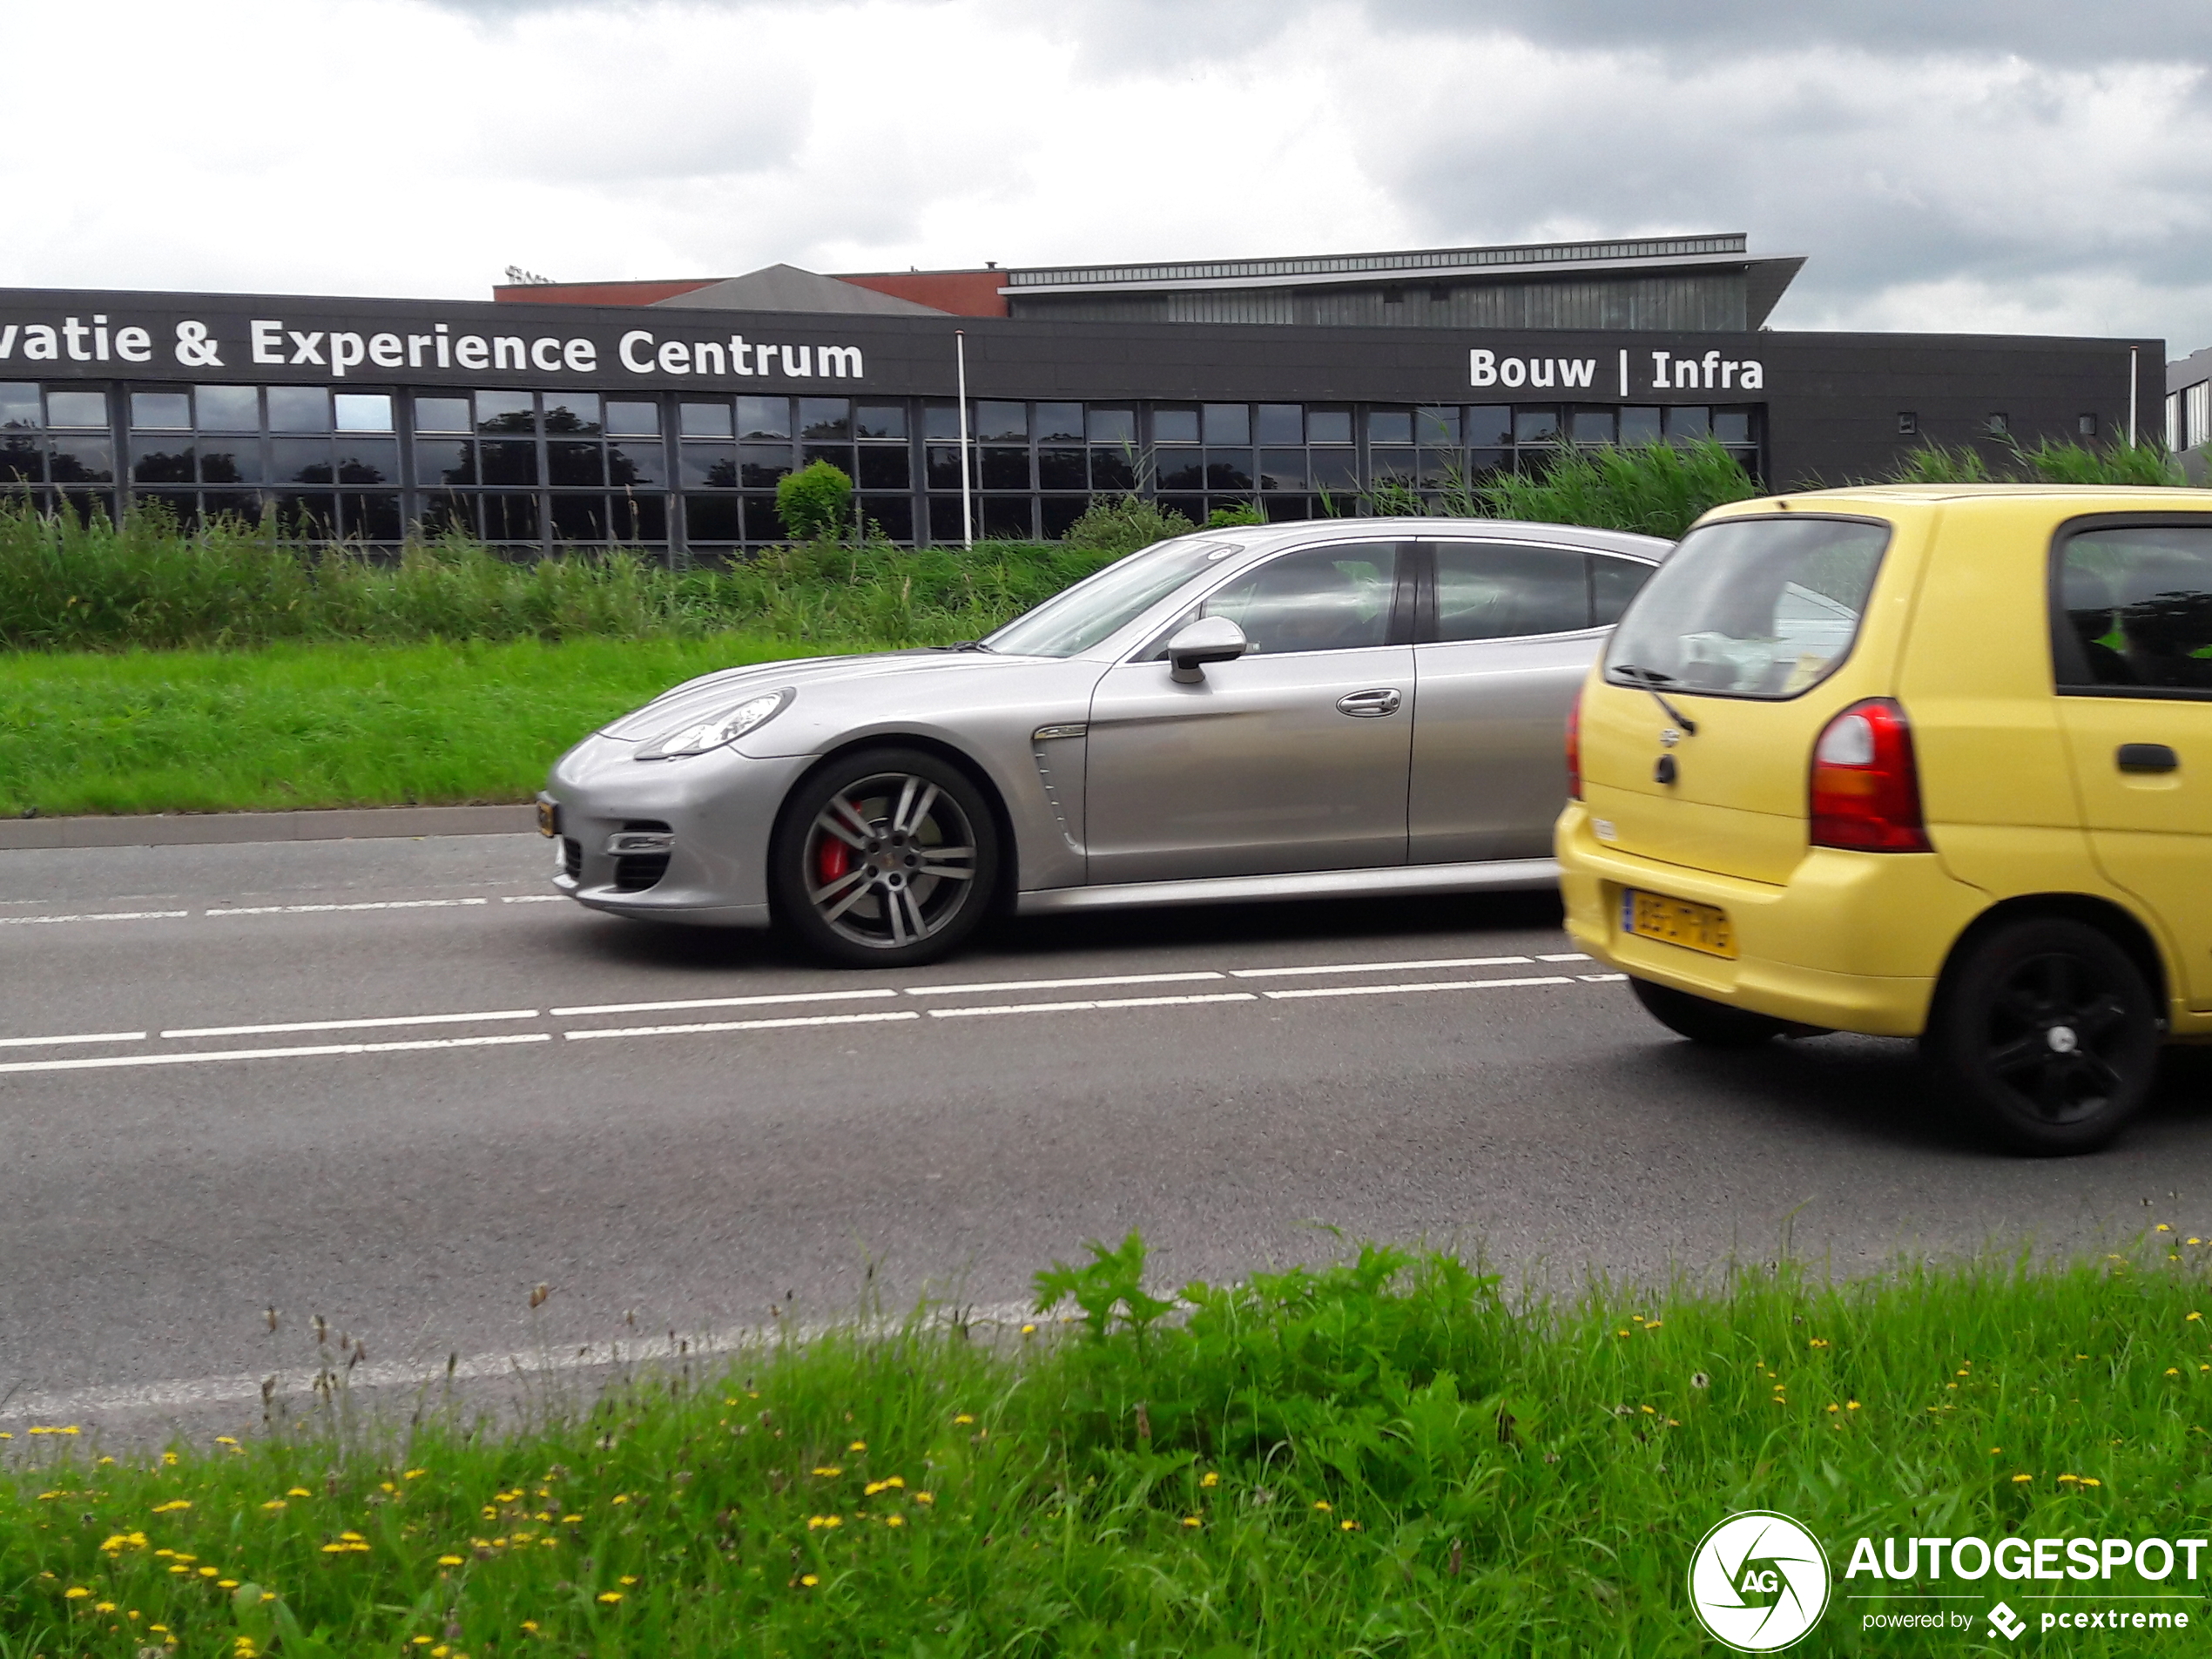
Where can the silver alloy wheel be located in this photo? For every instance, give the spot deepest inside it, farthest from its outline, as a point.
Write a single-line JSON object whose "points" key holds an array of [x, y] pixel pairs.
{"points": [[890, 860]]}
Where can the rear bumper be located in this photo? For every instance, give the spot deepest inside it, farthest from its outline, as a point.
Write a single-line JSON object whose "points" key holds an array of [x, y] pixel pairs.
{"points": [[1852, 941]]}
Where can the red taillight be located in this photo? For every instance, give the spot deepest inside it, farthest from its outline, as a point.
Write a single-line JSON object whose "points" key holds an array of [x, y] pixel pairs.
{"points": [[1575, 747], [1865, 791]]}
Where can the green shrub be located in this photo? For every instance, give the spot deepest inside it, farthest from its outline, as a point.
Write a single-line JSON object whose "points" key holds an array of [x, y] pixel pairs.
{"points": [[2046, 463], [1654, 489], [816, 502], [1224, 519], [1121, 524]]}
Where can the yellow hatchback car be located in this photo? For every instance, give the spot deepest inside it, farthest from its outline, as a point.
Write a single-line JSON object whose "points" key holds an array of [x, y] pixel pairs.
{"points": [[1919, 761]]}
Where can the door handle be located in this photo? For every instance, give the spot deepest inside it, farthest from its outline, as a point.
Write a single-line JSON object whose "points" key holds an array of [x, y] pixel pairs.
{"points": [[2147, 757], [1369, 704]]}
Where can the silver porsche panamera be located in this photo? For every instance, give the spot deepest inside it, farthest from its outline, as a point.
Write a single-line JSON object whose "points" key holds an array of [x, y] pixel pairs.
{"points": [[1356, 706]]}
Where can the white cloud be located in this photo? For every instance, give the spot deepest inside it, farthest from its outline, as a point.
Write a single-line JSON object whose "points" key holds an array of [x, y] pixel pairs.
{"points": [[1946, 166]]}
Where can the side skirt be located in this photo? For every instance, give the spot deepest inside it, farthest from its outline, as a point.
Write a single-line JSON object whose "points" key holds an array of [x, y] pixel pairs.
{"points": [[1496, 875]]}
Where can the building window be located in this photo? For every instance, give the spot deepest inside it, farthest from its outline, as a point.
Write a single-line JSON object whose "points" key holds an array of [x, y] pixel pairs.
{"points": [[2085, 426], [1908, 424]]}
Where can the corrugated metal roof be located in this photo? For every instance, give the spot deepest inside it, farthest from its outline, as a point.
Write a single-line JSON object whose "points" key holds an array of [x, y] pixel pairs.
{"points": [[1324, 265]]}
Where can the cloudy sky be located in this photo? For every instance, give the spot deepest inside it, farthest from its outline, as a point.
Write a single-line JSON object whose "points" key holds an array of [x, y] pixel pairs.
{"points": [[2042, 165]]}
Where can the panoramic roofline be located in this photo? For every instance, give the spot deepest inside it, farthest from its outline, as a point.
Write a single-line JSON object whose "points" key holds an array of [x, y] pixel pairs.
{"points": [[1607, 251]]}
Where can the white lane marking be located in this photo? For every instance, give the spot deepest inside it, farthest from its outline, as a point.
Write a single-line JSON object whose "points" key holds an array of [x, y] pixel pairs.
{"points": [[347, 1025], [109, 915], [183, 1393], [1111, 1002], [89, 1036], [211, 1055], [1058, 984], [740, 1025], [534, 898], [724, 1003], [1600, 979], [1567, 956], [1377, 968], [1435, 985], [321, 909]]}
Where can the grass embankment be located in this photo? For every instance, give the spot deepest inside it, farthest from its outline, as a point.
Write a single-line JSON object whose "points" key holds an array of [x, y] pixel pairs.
{"points": [[290, 726], [1385, 1456]]}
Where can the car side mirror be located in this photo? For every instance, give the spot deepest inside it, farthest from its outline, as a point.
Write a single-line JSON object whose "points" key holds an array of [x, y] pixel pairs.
{"points": [[1209, 640]]}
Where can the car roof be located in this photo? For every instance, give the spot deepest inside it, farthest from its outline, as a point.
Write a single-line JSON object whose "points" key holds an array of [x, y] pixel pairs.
{"points": [[2121, 497], [1307, 532]]}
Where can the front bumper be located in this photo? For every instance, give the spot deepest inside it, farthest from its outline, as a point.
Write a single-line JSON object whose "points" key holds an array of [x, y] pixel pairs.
{"points": [[1852, 941], [716, 810]]}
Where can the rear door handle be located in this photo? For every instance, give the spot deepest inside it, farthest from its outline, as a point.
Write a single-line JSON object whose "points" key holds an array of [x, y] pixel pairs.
{"points": [[2147, 757], [1369, 704]]}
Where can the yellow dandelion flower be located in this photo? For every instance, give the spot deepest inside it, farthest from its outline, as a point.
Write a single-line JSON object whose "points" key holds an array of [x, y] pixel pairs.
{"points": [[858, 1446], [924, 1497], [828, 1471], [173, 1506], [621, 1497], [1209, 1478], [103, 1607], [2162, 1227], [1028, 1330], [225, 1440], [1347, 1526], [962, 1419], [2091, 1481], [808, 1579], [531, 1625], [451, 1561], [1321, 1504], [209, 1572], [2020, 1478], [275, 1504], [894, 1520], [1850, 1404], [298, 1492], [2172, 1371], [75, 1593], [628, 1579], [611, 1597], [1194, 1521]]}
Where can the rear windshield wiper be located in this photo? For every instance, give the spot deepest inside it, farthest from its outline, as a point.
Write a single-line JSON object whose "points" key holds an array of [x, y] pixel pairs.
{"points": [[1651, 679]]}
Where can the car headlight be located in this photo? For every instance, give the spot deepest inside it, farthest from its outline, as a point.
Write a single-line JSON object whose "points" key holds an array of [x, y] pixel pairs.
{"points": [[725, 728]]}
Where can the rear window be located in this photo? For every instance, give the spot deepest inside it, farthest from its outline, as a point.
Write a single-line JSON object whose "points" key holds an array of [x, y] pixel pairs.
{"points": [[1750, 607]]}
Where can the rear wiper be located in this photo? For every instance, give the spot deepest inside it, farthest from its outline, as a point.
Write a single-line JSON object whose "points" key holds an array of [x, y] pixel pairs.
{"points": [[1651, 679]]}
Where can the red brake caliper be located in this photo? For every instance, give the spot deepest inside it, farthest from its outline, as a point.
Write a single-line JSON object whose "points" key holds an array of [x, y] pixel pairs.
{"points": [[832, 859]]}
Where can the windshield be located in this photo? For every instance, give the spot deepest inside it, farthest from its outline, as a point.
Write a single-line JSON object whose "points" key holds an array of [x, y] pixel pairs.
{"points": [[1072, 621], [1750, 607]]}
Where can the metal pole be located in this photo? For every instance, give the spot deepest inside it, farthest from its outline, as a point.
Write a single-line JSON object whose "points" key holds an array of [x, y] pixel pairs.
{"points": [[966, 511], [2134, 373]]}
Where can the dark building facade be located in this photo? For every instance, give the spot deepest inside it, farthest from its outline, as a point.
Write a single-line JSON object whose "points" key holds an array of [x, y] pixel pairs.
{"points": [[541, 423]]}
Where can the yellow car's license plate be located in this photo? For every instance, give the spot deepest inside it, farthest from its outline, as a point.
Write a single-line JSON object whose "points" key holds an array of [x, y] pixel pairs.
{"points": [[1694, 926]]}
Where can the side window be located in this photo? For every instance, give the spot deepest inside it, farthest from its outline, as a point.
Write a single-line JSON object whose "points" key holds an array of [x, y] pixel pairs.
{"points": [[2137, 608], [1613, 584], [1494, 590], [1327, 598]]}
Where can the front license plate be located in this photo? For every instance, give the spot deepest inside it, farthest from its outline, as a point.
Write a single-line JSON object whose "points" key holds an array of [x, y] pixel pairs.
{"points": [[1693, 927]]}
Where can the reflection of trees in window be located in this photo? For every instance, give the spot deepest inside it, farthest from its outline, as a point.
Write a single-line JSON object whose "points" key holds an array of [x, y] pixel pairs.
{"points": [[557, 419], [722, 474], [220, 467], [82, 463], [163, 467], [520, 421], [622, 472], [22, 459], [353, 470]]}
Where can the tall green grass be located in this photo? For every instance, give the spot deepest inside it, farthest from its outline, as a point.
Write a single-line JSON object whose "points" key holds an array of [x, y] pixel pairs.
{"points": [[311, 725], [1384, 1456], [1654, 490], [2048, 462], [68, 585]]}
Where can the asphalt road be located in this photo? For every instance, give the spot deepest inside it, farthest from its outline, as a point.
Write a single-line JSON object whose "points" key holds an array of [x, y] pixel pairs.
{"points": [[391, 1083]]}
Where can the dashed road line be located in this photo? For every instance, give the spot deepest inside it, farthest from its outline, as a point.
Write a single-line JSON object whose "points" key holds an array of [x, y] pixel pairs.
{"points": [[1567, 956], [1380, 968], [786, 1023], [324, 909], [348, 1025], [106, 915], [211, 1055], [1110, 1003], [1059, 984], [81, 1036], [1397, 990], [723, 1002]]}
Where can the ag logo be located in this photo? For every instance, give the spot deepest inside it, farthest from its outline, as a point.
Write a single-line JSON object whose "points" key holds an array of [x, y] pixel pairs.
{"points": [[1758, 1581]]}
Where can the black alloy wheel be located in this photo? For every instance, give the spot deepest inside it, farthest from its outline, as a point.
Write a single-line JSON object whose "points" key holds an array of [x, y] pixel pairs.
{"points": [[1714, 1025], [2046, 1032], [885, 858]]}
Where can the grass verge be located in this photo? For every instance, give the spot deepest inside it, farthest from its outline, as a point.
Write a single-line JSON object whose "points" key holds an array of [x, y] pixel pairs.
{"points": [[304, 726], [1384, 1456]]}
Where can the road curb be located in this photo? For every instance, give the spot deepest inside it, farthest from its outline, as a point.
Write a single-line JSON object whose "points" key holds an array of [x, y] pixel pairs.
{"points": [[207, 829]]}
